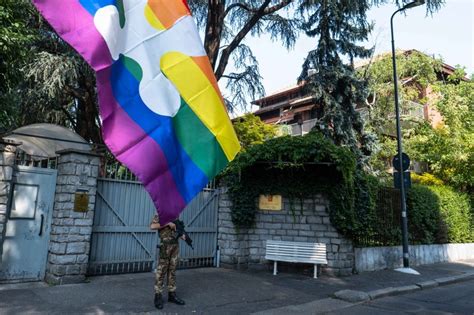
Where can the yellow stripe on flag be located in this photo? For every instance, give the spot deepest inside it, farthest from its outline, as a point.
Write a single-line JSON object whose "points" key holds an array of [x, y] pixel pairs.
{"points": [[198, 92]]}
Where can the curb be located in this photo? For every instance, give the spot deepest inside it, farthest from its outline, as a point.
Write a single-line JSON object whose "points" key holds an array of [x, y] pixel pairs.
{"points": [[348, 295], [377, 294], [455, 279]]}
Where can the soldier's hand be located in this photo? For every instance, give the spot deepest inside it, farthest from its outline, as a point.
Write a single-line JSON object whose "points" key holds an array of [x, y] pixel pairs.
{"points": [[172, 226], [183, 237]]}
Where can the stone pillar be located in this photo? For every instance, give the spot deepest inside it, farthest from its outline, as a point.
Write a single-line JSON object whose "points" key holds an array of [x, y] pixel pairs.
{"points": [[69, 247], [233, 243], [7, 162]]}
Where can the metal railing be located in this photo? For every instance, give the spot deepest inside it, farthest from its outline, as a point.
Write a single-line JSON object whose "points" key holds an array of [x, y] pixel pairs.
{"points": [[411, 110], [296, 129], [24, 159], [110, 168], [386, 228]]}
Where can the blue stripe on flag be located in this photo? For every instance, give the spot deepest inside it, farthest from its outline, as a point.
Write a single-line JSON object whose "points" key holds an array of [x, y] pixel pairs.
{"points": [[93, 5], [188, 177]]}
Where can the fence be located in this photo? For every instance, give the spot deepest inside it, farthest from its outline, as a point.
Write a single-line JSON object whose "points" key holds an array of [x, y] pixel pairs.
{"points": [[384, 229]]}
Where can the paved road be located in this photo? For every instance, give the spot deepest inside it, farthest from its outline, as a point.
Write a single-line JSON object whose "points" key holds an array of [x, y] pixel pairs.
{"points": [[451, 299], [224, 291]]}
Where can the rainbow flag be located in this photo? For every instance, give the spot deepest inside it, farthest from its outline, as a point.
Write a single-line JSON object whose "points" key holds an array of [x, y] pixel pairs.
{"points": [[162, 112]]}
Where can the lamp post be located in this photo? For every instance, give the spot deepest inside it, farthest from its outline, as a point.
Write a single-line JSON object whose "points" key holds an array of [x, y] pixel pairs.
{"points": [[399, 139]]}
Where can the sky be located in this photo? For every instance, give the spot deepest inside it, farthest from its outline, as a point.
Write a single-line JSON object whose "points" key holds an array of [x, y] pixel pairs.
{"points": [[448, 33]]}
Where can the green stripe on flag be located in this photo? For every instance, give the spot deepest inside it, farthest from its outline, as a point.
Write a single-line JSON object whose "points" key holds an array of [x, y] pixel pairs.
{"points": [[198, 142]]}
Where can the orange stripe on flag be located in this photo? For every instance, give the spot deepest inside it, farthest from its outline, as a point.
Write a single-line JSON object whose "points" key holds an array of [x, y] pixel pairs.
{"points": [[205, 66], [168, 11]]}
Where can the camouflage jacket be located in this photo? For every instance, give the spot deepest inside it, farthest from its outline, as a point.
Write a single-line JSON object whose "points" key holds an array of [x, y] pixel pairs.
{"points": [[167, 235]]}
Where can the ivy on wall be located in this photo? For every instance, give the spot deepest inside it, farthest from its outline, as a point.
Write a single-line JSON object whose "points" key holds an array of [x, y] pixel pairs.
{"points": [[359, 206], [298, 168]]}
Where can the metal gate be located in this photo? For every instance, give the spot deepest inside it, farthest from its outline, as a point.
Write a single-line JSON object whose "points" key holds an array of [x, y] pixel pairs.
{"points": [[122, 241], [25, 246]]}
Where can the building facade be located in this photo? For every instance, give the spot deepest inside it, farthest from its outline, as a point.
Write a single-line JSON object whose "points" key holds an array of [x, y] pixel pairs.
{"points": [[296, 112]]}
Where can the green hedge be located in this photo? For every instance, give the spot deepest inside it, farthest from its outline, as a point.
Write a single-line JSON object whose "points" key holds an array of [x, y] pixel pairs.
{"points": [[424, 216], [438, 214], [455, 212]]}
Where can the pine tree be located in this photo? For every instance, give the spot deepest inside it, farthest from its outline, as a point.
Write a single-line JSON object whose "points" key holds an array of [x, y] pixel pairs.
{"points": [[339, 26]]}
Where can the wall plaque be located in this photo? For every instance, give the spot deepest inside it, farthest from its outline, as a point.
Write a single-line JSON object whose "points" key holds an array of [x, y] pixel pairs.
{"points": [[81, 201], [269, 202]]}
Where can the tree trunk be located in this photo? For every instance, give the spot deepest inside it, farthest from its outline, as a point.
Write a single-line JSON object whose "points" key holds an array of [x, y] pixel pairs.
{"points": [[87, 114], [214, 27]]}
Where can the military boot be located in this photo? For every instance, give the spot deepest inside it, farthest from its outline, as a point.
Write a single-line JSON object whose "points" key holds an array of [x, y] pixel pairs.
{"points": [[174, 299], [158, 301]]}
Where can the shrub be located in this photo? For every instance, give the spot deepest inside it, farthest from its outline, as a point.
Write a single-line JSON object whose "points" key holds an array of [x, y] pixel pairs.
{"points": [[438, 214], [455, 210], [426, 179], [423, 215]]}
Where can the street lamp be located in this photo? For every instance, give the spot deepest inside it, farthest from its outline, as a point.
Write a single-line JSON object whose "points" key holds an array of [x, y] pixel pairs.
{"points": [[399, 139]]}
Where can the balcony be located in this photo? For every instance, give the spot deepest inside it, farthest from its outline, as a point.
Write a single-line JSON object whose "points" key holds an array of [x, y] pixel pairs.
{"points": [[296, 129], [410, 111]]}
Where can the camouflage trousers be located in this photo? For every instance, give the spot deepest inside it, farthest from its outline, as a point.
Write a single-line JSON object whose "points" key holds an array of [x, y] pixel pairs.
{"points": [[167, 267]]}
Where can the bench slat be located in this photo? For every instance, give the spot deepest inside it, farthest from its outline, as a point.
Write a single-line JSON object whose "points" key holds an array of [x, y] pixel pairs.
{"points": [[289, 249], [291, 259], [306, 257], [297, 245], [304, 250], [296, 255]]}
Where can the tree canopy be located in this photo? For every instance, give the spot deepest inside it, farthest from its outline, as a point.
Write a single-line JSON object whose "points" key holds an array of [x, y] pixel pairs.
{"points": [[252, 130], [446, 149], [15, 35], [226, 24], [46, 80]]}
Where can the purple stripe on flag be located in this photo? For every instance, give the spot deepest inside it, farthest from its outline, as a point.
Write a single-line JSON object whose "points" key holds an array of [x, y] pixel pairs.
{"points": [[139, 152], [76, 26], [127, 141]]}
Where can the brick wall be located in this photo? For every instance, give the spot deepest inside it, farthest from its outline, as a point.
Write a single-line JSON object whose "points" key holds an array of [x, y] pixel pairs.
{"points": [[244, 247]]}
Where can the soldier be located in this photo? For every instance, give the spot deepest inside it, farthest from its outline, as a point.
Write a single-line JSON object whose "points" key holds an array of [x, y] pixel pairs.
{"points": [[169, 250]]}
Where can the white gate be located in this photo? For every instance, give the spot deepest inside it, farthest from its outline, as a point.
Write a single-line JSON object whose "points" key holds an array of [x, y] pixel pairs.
{"points": [[122, 241], [25, 246]]}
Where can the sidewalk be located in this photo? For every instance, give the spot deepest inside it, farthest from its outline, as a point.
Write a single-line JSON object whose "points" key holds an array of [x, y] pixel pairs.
{"points": [[223, 291]]}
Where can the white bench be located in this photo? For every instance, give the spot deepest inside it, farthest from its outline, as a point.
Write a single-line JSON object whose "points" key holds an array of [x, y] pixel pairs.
{"points": [[296, 252]]}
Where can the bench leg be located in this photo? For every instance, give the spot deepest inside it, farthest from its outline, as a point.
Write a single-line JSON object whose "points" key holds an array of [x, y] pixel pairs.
{"points": [[274, 268], [315, 271]]}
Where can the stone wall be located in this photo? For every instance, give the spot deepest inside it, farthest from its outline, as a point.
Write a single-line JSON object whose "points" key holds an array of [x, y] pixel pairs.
{"points": [[247, 246], [7, 161], [69, 246], [390, 257]]}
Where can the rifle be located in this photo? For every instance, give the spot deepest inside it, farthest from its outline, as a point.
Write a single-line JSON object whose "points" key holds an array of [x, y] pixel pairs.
{"points": [[180, 231]]}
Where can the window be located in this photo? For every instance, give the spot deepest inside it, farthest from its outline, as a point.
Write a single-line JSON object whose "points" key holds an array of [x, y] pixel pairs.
{"points": [[24, 202]]}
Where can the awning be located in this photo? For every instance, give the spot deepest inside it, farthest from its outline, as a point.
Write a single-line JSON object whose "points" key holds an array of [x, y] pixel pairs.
{"points": [[44, 140]]}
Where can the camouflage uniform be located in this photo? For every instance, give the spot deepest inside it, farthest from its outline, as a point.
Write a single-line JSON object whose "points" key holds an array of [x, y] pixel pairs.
{"points": [[169, 250]]}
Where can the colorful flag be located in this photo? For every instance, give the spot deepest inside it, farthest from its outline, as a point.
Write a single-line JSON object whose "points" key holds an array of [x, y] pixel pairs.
{"points": [[162, 113]]}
